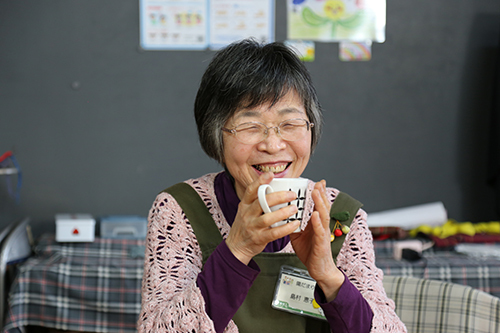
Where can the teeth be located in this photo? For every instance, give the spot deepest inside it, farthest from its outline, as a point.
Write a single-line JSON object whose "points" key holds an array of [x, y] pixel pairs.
{"points": [[273, 169]]}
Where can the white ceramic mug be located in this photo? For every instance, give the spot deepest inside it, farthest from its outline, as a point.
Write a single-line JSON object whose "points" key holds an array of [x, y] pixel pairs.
{"points": [[297, 185]]}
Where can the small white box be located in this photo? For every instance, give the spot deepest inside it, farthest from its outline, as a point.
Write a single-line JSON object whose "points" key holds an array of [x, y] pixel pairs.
{"points": [[124, 227], [75, 228]]}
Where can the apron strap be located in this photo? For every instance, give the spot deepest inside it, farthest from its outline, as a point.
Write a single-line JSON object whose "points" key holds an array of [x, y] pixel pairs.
{"points": [[200, 219], [344, 210]]}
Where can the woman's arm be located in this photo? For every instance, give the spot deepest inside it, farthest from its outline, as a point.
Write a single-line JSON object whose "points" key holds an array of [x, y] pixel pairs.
{"points": [[224, 284], [171, 299], [357, 261], [344, 307], [361, 301]]}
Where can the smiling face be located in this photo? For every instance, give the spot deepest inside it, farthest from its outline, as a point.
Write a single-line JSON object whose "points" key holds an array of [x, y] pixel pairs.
{"points": [[285, 159]]}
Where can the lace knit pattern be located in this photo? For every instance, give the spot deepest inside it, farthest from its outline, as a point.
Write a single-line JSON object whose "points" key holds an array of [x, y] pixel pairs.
{"points": [[171, 300]]}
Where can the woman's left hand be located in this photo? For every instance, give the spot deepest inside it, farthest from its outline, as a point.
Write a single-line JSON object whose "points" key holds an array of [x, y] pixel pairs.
{"points": [[313, 248]]}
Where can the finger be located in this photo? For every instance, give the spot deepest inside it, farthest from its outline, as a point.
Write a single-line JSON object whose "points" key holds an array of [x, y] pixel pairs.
{"points": [[327, 202], [267, 233], [318, 225], [323, 192], [252, 189], [273, 199], [321, 208], [280, 197], [280, 215], [282, 231], [321, 187]]}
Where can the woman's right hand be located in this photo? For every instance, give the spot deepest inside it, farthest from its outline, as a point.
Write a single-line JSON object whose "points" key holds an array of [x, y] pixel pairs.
{"points": [[251, 230]]}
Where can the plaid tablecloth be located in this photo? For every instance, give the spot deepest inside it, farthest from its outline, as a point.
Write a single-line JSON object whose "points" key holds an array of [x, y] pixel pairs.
{"points": [[445, 265], [93, 287]]}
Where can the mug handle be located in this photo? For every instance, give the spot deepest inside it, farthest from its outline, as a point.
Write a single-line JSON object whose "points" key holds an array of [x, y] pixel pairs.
{"points": [[263, 190]]}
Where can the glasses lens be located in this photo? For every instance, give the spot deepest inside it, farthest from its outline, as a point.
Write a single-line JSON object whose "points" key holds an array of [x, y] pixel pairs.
{"points": [[250, 133], [293, 129]]}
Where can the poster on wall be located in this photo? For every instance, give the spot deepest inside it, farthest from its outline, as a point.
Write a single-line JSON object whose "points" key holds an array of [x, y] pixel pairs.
{"points": [[199, 24], [304, 49], [337, 20], [232, 20], [355, 51], [174, 24]]}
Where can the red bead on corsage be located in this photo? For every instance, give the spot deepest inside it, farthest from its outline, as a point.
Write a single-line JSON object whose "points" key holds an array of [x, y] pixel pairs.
{"points": [[339, 229]]}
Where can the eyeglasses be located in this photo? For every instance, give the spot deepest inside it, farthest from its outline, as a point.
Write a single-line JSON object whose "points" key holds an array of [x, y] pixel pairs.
{"points": [[254, 132]]}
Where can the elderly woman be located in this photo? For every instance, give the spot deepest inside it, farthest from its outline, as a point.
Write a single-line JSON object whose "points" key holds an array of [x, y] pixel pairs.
{"points": [[207, 264]]}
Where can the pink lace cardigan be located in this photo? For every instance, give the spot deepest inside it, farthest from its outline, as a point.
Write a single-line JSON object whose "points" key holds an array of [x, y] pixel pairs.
{"points": [[171, 300]]}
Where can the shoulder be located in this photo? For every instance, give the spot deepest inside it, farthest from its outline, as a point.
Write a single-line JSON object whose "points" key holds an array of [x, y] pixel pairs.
{"points": [[204, 183], [201, 184], [165, 203], [204, 187]]}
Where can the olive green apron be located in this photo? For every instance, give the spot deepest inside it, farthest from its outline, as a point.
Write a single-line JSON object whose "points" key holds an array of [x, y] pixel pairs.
{"points": [[256, 313]]}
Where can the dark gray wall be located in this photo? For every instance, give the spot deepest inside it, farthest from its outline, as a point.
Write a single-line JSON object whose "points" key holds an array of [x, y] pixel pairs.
{"points": [[100, 126]]}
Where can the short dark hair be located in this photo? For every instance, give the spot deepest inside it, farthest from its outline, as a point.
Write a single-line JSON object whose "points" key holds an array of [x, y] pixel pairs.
{"points": [[249, 74]]}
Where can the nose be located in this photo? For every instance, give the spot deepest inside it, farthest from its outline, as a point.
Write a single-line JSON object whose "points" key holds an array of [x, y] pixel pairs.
{"points": [[273, 142]]}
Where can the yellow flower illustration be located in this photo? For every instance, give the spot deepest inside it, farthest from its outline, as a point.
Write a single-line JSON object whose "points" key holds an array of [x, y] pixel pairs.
{"points": [[334, 9], [335, 14]]}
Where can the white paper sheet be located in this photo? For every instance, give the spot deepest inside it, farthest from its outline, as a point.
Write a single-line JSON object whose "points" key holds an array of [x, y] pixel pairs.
{"points": [[410, 217]]}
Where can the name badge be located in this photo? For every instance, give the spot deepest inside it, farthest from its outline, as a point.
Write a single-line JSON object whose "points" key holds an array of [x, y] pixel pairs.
{"points": [[294, 293]]}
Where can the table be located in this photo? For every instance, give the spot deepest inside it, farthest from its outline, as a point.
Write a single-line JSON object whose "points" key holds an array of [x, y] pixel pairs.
{"points": [[95, 287], [92, 287], [445, 265]]}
